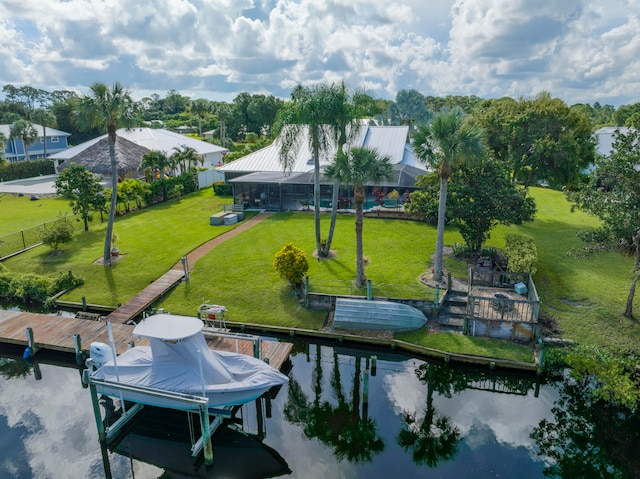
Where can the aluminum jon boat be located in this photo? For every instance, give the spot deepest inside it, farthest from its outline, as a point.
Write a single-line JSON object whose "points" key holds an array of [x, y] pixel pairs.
{"points": [[179, 366]]}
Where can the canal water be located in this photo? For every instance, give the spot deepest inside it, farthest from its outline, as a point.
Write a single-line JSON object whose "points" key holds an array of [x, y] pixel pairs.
{"points": [[338, 417]]}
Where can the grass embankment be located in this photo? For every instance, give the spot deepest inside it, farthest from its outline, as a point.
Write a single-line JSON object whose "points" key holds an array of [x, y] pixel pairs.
{"points": [[584, 296]]}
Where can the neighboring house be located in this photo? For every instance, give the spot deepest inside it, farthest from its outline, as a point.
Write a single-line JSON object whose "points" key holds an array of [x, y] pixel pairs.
{"points": [[14, 148], [605, 137], [258, 179], [131, 146]]}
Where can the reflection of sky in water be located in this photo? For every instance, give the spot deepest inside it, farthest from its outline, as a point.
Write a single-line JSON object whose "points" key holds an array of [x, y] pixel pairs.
{"points": [[47, 427], [482, 417], [54, 419]]}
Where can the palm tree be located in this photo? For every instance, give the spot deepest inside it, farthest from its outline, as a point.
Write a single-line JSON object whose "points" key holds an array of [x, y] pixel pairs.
{"points": [[312, 109], [199, 108], [45, 117], [187, 157], [346, 127], [25, 131], [358, 167], [158, 161], [110, 109], [448, 140]]}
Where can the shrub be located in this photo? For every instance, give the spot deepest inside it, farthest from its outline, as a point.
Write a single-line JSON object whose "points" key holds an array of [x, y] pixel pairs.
{"points": [[56, 233], [521, 253], [26, 169], [291, 263], [220, 188], [33, 288]]}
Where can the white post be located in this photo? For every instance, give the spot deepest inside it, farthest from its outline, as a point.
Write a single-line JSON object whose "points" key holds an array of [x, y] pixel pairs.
{"points": [[115, 363]]}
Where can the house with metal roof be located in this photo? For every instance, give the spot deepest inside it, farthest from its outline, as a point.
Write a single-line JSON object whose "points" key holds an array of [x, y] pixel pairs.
{"points": [[49, 143], [259, 180], [131, 145]]}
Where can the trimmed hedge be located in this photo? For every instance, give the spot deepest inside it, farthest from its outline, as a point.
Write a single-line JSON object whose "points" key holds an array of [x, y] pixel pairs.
{"points": [[26, 169], [220, 188]]}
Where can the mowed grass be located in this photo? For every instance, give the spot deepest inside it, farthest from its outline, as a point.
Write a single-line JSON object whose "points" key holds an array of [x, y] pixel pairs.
{"points": [[19, 212], [240, 275], [151, 241], [585, 297]]}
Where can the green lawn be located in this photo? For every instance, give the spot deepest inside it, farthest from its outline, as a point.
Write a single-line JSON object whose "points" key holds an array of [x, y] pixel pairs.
{"points": [[151, 241], [585, 296], [19, 212]]}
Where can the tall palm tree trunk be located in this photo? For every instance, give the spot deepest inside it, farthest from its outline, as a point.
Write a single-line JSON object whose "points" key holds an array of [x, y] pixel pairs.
{"points": [[334, 215], [114, 198], [442, 206], [316, 197], [361, 278]]}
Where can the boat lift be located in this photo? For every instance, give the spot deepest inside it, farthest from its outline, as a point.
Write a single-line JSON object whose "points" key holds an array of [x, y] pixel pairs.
{"points": [[145, 395]]}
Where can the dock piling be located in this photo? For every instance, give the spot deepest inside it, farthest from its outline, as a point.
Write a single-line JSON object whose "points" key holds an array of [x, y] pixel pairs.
{"points": [[31, 343], [77, 346]]}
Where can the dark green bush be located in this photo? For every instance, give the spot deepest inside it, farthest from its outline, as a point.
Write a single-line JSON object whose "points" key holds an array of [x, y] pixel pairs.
{"points": [[26, 169], [220, 188], [30, 288]]}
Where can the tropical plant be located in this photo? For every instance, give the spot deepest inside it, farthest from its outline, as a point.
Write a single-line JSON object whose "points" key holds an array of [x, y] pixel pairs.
{"points": [[443, 143], [358, 167], [346, 126], [158, 162], [25, 131], [45, 118], [187, 157], [83, 189], [319, 115], [109, 108]]}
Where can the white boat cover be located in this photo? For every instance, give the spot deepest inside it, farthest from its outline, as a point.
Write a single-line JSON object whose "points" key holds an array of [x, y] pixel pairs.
{"points": [[172, 363]]}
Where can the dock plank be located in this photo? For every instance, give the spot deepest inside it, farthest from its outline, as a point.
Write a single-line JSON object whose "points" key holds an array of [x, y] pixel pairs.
{"points": [[145, 298], [56, 333]]}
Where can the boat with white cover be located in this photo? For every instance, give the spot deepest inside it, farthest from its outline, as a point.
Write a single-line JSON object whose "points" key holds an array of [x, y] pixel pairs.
{"points": [[179, 361]]}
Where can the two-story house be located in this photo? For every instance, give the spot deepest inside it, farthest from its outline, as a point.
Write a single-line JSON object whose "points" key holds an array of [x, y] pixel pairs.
{"points": [[56, 141]]}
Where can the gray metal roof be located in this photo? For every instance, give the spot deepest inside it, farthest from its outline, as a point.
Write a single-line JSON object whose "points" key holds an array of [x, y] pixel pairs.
{"points": [[388, 140], [150, 139]]}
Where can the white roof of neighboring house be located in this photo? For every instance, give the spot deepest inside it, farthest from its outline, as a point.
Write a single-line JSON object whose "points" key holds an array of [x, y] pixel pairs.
{"points": [[605, 136], [6, 130], [388, 140], [149, 138]]}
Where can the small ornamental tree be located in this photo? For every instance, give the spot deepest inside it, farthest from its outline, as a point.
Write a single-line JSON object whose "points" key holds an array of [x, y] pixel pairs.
{"points": [[291, 263], [521, 253], [57, 233]]}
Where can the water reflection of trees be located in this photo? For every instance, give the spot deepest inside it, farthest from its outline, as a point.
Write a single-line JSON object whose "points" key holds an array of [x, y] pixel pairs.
{"points": [[14, 368], [344, 427], [432, 438], [589, 437]]}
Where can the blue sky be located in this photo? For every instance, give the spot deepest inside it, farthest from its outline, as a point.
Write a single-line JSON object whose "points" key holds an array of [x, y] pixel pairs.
{"points": [[578, 50]]}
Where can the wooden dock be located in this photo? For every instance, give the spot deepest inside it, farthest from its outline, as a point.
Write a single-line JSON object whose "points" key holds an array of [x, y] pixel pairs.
{"points": [[56, 333], [145, 298]]}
